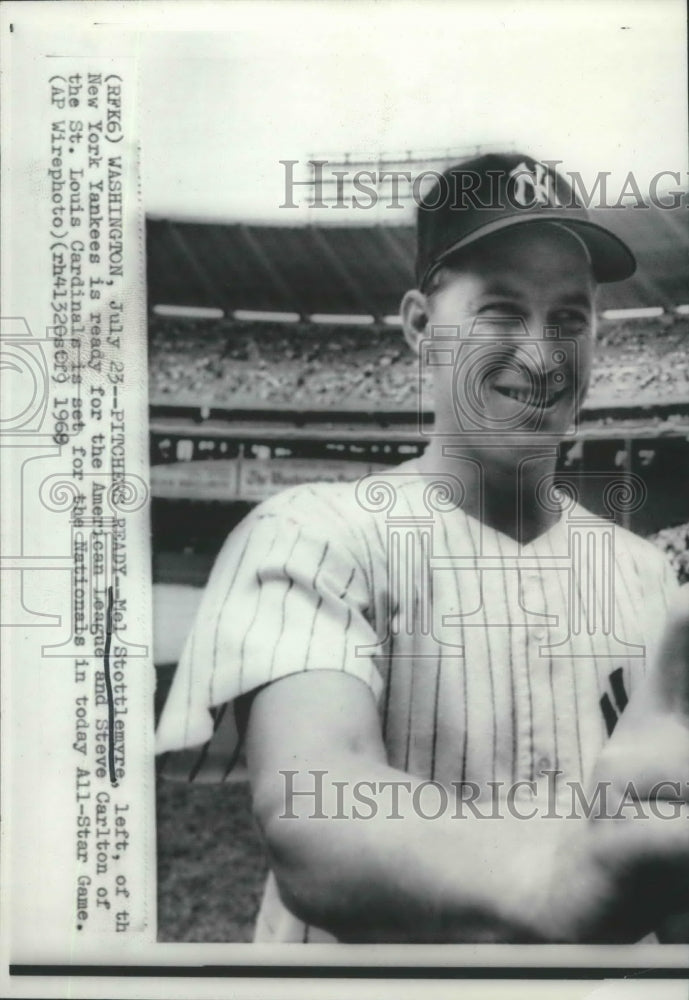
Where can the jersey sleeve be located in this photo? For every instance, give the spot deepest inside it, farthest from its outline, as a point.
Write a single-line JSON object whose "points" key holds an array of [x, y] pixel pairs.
{"points": [[287, 594]]}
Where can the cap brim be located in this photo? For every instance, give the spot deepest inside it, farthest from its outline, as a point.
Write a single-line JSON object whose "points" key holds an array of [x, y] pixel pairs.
{"points": [[611, 258]]}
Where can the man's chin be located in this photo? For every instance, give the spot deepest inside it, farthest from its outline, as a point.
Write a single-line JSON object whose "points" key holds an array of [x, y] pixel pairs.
{"points": [[499, 454], [548, 432]]}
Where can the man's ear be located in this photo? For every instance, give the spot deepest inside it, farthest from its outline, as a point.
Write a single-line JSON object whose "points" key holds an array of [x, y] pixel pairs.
{"points": [[414, 312]]}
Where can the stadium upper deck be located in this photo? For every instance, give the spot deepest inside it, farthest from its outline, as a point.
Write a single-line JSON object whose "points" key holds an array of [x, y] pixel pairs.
{"points": [[364, 270]]}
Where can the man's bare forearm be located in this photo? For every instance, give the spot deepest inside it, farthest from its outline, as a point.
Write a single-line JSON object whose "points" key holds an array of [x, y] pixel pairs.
{"points": [[398, 875], [393, 874]]}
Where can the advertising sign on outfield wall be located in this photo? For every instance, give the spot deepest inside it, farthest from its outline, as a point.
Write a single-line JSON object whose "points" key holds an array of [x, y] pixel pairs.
{"points": [[248, 479]]}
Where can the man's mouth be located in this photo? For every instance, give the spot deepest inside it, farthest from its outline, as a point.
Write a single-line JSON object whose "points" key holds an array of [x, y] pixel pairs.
{"points": [[537, 399]]}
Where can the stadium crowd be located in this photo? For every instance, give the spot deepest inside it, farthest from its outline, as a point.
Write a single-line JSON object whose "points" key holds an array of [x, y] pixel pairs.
{"points": [[674, 542], [231, 363]]}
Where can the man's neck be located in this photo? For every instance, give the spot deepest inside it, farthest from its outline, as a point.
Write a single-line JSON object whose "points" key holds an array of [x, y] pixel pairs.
{"points": [[509, 497]]}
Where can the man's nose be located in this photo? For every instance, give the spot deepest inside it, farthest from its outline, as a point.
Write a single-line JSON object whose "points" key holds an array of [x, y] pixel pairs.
{"points": [[536, 325]]}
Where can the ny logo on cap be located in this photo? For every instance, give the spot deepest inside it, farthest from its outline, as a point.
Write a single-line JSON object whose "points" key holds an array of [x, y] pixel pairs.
{"points": [[534, 186]]}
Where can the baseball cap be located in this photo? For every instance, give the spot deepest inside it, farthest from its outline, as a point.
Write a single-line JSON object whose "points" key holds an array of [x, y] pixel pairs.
{"points": [[497, 190]]}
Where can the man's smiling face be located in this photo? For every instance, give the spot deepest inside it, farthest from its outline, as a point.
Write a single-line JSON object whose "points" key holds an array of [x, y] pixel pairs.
{"points": [[523, 303]]}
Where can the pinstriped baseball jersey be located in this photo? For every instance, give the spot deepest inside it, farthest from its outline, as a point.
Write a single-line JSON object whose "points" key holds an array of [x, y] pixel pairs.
{"points": [[489, 660]]}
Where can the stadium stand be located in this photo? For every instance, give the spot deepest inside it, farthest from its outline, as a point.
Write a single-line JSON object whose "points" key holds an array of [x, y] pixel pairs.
{"points": [[649, 357], [237, 364]]}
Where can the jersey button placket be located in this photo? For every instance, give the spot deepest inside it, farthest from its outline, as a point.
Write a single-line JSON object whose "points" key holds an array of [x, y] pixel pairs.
{"points": [[532, 597]]}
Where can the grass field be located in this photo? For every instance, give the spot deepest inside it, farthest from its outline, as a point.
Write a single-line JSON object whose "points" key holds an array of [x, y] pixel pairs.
{"points": [[211, 867]]}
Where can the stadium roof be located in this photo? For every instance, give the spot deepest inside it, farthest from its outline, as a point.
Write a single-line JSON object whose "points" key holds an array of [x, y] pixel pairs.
{"points": [[366, 270]]}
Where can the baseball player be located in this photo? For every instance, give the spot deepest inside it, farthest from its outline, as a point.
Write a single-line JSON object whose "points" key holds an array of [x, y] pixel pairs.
{"points": [[409, 656]]}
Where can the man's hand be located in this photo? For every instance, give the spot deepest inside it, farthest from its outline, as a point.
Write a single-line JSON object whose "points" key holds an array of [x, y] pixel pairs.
{"points": [[642, 856]]}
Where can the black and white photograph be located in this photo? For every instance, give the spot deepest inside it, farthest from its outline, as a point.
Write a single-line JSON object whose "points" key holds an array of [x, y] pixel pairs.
{"points": [[432, 433], [364, 331]]}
